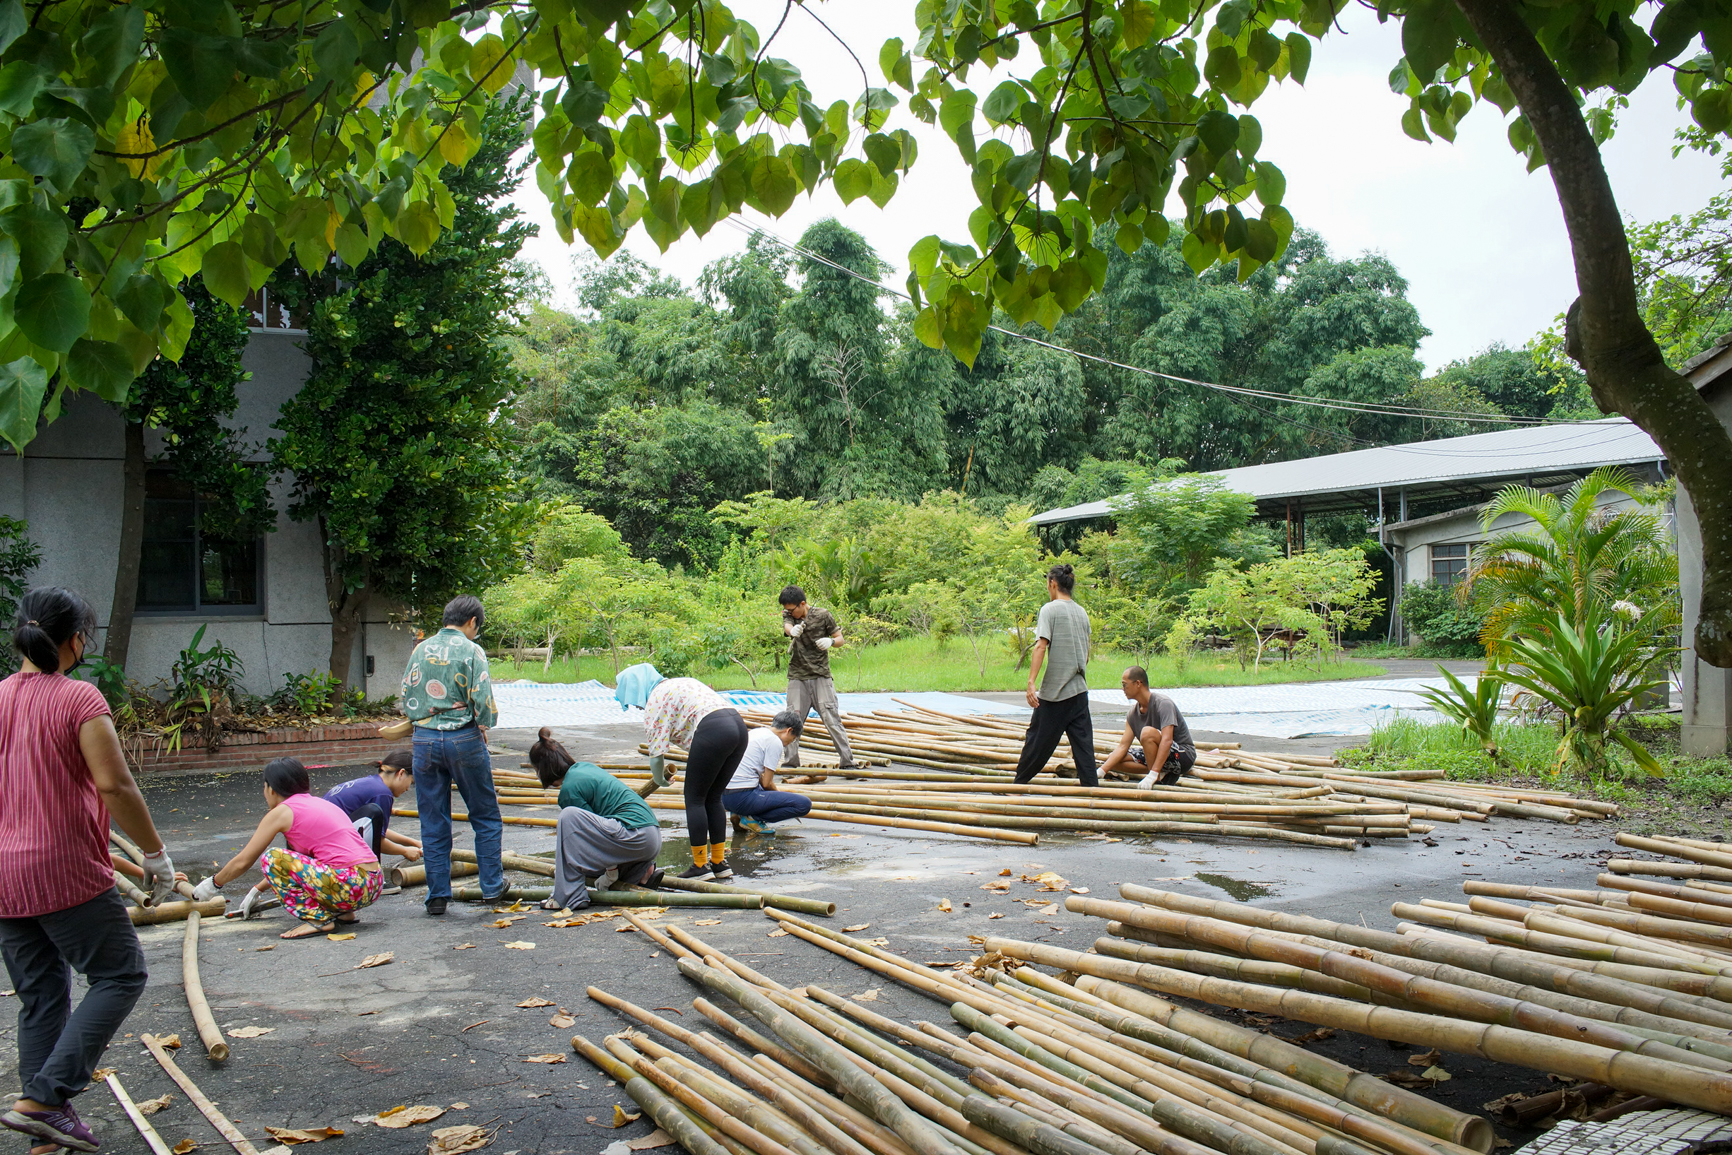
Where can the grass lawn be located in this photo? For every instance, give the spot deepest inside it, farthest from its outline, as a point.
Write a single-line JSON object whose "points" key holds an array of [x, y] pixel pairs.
{"points": [[1688, 801], [913, 664]]}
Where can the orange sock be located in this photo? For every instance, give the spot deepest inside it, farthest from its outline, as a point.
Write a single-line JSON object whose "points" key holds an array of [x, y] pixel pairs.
{"points": [[718, 853], [698, 853]]}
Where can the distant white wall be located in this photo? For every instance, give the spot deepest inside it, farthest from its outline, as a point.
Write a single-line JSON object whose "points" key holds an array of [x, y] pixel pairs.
{"points": [[67, 486], [1707, 690]]}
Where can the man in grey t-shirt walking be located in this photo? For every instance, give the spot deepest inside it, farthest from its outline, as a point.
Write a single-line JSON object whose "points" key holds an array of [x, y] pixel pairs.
{"points": [[1061, 704]]}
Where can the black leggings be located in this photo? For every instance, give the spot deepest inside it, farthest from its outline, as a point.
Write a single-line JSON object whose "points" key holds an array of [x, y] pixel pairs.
{"points": [[717, 746], [377, 814]]}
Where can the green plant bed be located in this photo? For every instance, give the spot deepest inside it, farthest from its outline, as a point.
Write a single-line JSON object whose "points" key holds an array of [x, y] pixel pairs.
{"points": [[914, 664], [1386, 651]]}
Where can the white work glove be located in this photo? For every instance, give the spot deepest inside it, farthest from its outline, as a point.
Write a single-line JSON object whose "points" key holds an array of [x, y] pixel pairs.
{"points": [[254, 894], [1149, 780], [794, 631], [659, 771], [159, 872], [206, 890], [826, 643]]}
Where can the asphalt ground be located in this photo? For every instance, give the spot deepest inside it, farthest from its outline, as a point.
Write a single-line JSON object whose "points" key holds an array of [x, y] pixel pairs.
{"points": [[440, 1024]]}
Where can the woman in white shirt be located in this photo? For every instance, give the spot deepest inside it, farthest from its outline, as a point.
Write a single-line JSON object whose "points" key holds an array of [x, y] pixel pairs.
{"points": [[750, 795]]}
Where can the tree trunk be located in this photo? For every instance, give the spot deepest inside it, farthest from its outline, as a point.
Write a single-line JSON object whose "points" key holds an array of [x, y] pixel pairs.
{"points": [[119, 638], [1604, 327], [346, 604]]}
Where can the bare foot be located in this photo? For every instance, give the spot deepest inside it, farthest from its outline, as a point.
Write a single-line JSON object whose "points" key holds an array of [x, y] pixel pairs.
{"points": [[307, 930]]}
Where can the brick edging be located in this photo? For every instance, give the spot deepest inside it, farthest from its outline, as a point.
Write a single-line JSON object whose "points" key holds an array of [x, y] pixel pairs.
{"points": [[343, 744]]}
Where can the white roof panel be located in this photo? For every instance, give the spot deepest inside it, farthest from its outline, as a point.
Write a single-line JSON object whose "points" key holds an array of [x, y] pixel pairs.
{"points": [[1508, 453]]}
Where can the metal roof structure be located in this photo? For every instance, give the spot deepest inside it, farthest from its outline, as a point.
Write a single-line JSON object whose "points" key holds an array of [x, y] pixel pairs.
{"points": [[1469, 468]]}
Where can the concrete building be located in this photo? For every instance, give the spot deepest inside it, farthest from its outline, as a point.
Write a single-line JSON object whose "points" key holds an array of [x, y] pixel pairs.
{"points": [[265, 599], [1707, 690]]}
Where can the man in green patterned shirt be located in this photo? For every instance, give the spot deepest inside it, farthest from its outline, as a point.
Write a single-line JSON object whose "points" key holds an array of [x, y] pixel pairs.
{"points": [[448, 694]]}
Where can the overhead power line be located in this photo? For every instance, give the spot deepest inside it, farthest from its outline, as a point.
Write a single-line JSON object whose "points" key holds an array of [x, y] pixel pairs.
{"points": [[1236, 392]]}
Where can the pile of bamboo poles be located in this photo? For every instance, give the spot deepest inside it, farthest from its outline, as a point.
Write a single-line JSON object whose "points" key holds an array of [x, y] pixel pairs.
{"points": [[1703, 862], [141, 910], [1040, 1067], [1628, 986]]}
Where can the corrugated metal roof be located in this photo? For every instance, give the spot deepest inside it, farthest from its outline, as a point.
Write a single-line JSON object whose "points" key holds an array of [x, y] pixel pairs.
{"points": [[1509, 454]]}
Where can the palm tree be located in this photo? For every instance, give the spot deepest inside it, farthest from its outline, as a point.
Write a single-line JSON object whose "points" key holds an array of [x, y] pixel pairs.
{"points": [[1578, 559]]}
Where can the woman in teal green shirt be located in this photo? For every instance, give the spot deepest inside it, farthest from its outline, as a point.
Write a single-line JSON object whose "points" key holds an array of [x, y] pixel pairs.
{"points": [[605, 831]]}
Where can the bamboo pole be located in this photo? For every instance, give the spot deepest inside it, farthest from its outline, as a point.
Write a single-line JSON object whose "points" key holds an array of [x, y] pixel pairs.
{"points": [[417, 875], [711, 1113], [1549, 942], [743, 1106], [647, 1095], [129, 889], [888, 1109], [622, 897], [1689, 1085], [206, 1108], [462, 816], [1675, 849], [152, 1140], [843, 1114], [1669, 869], [1691, 892], [173, 911], [1026, 838], [782, 901], [215, 1048]]}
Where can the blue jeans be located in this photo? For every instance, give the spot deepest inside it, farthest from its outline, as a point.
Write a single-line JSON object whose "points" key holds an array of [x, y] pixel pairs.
{"points": [[441, 758], [767, 805]]}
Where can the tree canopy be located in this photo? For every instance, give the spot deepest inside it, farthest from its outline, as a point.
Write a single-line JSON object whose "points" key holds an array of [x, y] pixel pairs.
{"points": [[147, 141]]}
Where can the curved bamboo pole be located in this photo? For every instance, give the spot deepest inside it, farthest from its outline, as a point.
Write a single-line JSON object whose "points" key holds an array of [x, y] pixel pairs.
{"points": [[215, 1048], [1689, 1085], [173, 911]]}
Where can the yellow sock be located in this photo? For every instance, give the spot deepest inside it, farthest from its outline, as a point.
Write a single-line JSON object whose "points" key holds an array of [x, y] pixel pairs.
{"points": [[698, 855], [718, 852]]}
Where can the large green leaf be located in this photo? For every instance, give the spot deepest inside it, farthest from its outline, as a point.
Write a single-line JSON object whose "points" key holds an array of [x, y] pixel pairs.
{"points": [[103, 367], [225, 272], [112, 42], [853, 180], [20, 81], [141, 297], [55, 149], [202, 67], [22, 385], [53, 310], [13, 22], [418, 227], [41, 235], [774, 185]]}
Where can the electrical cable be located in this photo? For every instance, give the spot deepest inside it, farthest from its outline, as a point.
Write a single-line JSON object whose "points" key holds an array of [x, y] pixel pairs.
{"points": [[1233, 391]]}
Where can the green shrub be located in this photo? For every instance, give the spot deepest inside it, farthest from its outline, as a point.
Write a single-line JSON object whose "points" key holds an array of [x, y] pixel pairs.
{"points": [[1432, 612]]}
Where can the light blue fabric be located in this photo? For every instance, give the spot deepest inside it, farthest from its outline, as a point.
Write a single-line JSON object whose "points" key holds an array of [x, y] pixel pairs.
{"points": [[634, 685]]}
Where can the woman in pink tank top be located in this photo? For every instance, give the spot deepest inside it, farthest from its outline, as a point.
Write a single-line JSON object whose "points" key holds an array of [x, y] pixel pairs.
{"points": [[326, 873]]}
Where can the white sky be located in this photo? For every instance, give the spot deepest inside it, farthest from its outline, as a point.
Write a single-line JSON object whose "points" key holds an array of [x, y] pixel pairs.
{"points": [[1480, 240]]}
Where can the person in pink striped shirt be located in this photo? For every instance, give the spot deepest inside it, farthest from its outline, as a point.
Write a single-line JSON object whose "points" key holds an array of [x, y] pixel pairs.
{"points": [[62, 776]]}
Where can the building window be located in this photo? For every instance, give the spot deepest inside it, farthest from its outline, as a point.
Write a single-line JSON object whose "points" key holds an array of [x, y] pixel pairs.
{"points": [[1449, 563], [265, 310], [184, 570]]}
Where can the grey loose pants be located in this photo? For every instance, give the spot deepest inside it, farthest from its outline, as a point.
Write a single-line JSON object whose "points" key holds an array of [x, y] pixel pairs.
{"points": [[591, 846], [808, 694], [59, 1047]]}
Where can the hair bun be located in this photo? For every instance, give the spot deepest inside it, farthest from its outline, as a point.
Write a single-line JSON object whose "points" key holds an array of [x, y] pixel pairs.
{"points": [[545, 733]]}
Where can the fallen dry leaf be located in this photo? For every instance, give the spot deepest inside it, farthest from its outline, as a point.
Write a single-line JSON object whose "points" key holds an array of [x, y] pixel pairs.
{"points": [[152, 1106], [452, 1140], [996, 887], [1429, 1058], [1410, 1079], [620, 1118], [1435, 1074], [183, 1147], [272, 946], [518, 905], [870, 996], [1315, 1035], [658, 1137], [996, 914], [845, 836], [502, 923], [376, 960], [249, 1032], [101, 1073], [464, 946], [460, 1106], [341, 937], [399, 1117], [777, 934], [585, 919], [548, 1058], [1079, 890], [293, 1136], [1050, 880], [1005, 873], [855, 927], [876, 941], [536, 1002], [706, 922], [562, 1021], [520, 945], [172, 1042], [944, 905]]}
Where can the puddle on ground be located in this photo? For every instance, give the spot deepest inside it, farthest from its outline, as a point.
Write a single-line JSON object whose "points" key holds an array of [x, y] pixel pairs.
{"points": [[1238, 888]]}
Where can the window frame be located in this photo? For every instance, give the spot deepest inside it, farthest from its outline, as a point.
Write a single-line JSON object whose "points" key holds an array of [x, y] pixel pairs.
{"points": [[1455, 565], [198, 609]]}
